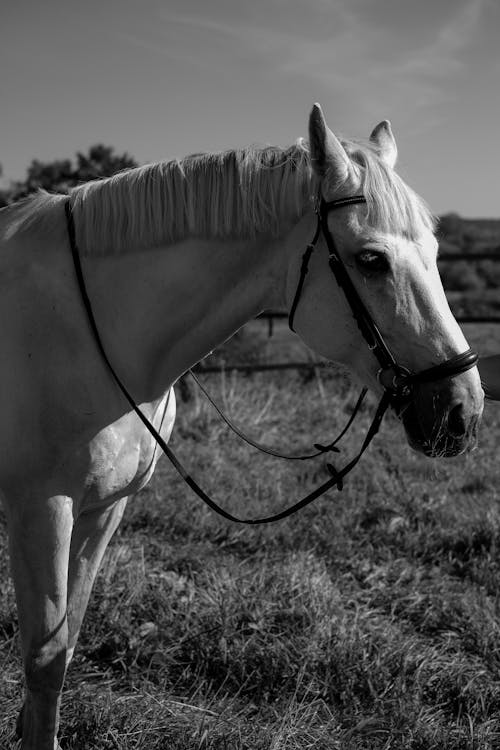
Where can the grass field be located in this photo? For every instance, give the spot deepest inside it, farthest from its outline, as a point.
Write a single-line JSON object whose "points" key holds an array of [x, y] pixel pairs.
{"points": [[371, 620]]}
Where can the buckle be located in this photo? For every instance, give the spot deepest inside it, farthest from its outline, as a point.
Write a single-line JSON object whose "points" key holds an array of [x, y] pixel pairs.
{"points": [[396, 379]]}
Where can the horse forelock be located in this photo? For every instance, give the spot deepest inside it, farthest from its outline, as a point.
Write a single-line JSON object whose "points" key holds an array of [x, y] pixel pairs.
{"points": [[393, 207]]}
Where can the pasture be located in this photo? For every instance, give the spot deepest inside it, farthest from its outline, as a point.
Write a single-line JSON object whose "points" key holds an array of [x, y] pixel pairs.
{"points": [[369, 621]]}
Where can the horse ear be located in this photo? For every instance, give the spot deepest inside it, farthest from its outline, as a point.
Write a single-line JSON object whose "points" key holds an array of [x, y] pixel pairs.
{"points": [[384, 140], [327, 151]]}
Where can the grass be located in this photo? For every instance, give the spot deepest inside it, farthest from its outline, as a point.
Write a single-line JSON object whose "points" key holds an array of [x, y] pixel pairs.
{"points": [[369, 621]]}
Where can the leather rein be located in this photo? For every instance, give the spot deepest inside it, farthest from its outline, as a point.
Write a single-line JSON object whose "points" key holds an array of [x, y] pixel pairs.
{"points": [[397, 381]]}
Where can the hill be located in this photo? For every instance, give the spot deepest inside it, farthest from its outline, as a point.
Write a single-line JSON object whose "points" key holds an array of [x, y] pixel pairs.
{"points": [[472, 282]]}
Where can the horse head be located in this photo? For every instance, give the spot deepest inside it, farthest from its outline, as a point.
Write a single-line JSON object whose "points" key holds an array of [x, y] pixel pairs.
{"points": [[384, 239]]}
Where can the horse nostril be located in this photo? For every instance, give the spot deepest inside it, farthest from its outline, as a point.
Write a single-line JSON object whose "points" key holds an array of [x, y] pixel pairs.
{"points": [[457, 424]]}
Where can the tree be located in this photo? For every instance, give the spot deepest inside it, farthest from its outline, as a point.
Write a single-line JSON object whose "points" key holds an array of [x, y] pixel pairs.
{"points": [[55, 176], [102, 162], [60, 175]]}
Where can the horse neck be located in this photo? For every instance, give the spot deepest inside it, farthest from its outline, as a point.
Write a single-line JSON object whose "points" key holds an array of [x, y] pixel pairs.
{"points": [[162, 310]]}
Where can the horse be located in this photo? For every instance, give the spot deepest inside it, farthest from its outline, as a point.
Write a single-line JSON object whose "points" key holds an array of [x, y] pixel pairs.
{"points": [[176, 257]]}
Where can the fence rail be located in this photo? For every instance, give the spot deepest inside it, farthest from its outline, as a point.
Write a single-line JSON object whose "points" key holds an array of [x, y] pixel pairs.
{"points": [[280, 315], [271, 315], [487, 255], [307, 366], [265, 367]]}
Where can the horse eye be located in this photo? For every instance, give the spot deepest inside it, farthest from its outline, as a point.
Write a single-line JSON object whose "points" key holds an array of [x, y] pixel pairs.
{"points": [[371, 261]]}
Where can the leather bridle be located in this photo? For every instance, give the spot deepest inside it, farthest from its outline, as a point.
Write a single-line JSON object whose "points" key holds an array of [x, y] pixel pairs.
{"points": [[397, 381]]}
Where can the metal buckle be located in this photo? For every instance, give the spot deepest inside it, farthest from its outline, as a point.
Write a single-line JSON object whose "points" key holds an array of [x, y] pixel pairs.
{"points": [[396, 379]]}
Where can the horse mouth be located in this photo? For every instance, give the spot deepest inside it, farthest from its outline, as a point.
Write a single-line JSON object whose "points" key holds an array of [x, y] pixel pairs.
{"points": [[437, 439]]}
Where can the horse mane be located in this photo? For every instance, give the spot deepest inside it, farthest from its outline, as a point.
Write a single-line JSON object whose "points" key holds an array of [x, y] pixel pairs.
{"points": [[236, 193]]}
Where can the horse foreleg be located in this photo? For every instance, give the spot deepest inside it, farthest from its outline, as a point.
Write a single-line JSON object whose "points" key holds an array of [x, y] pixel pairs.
{"points": [[39, 543], [91, 534]]}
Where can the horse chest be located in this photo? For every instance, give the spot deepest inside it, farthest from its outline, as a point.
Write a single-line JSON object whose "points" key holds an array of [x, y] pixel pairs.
{"points": [[123, 456]]}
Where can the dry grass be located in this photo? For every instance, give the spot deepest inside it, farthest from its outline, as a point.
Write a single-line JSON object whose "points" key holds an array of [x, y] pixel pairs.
{"points": [[369, 621]]}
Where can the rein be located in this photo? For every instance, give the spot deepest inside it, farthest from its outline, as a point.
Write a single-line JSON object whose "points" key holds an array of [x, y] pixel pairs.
{"points": [[319, 449], [396, 380]]}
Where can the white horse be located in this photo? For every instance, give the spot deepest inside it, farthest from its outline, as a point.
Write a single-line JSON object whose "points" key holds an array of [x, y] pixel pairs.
{"points": [[177, 256]]}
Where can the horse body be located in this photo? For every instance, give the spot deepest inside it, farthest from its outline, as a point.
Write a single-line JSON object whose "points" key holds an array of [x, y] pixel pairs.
{"points": [[41, 430], [71, 450], [71, 455]]}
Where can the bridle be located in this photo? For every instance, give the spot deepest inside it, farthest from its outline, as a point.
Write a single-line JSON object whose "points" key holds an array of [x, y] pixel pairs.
{"points": [[396, 380]]}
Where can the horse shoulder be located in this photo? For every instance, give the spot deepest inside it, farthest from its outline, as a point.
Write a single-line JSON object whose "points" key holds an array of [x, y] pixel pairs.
{"points": [[123, 455]]}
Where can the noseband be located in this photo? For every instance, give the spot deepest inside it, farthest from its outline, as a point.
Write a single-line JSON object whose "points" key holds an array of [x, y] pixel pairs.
{"points": [[397, 381]]}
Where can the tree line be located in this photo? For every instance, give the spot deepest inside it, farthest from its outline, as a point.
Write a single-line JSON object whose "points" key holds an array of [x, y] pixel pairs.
{"points": [[59, 175]]}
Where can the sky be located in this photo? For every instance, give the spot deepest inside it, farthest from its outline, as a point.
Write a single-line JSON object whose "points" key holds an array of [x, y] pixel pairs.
{"points": [[164, 78]]}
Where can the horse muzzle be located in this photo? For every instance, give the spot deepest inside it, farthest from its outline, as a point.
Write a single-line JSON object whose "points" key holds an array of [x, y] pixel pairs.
{"points": [[440, 407], [442, 419]]}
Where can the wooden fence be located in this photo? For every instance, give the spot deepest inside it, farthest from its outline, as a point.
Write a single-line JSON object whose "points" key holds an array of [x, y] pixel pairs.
{"points": [[271, 315]]}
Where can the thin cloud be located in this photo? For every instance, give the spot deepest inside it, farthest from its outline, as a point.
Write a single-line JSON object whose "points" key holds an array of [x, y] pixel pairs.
{"points": [[144, 44], [281, 51], [392, 75], [444, 56], [342, 52], [352, 48]]}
